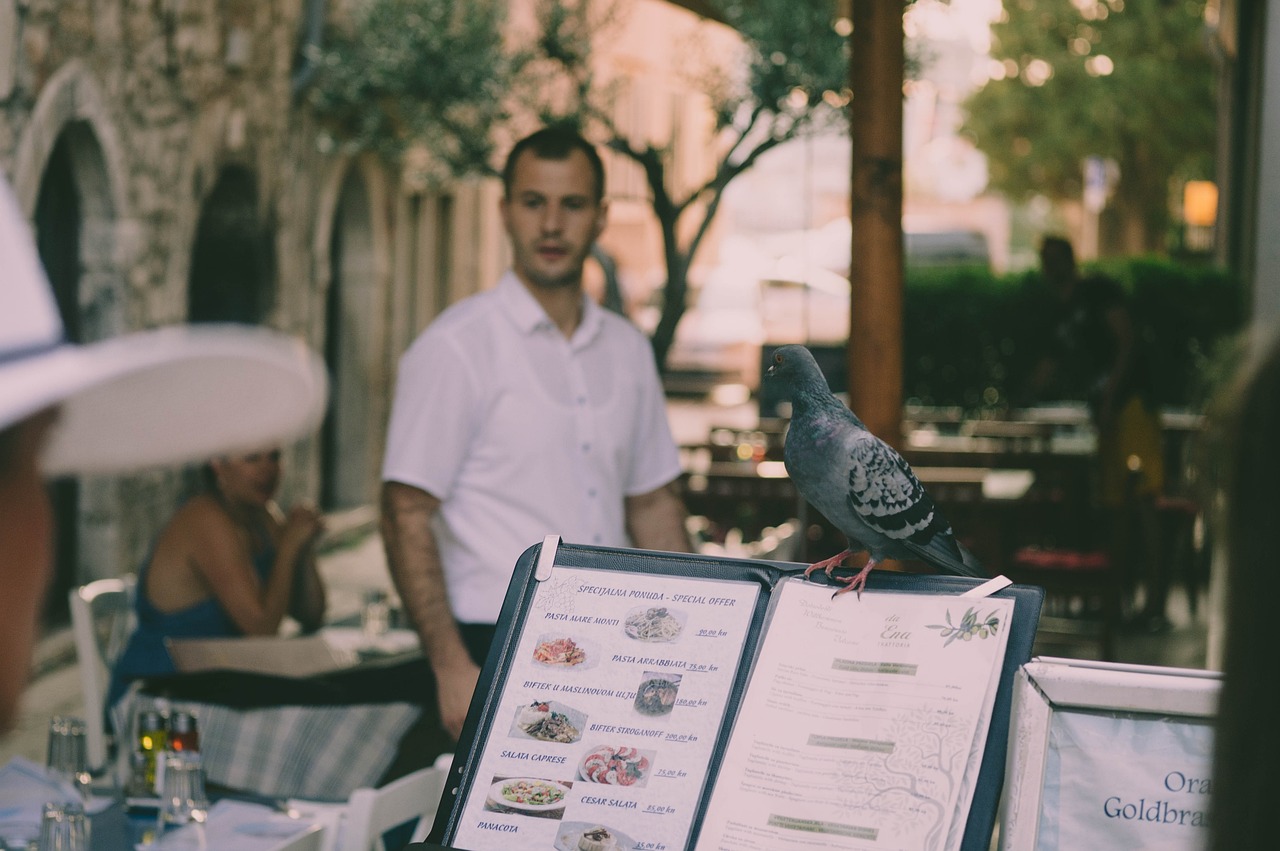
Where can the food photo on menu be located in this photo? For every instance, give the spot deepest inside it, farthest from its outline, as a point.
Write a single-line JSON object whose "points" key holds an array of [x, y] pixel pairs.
{"points": [[616, 766], [592, 836], [556, 650], [635, 734], [654, 623], [535, 797], [549, 721], [656, 694]]}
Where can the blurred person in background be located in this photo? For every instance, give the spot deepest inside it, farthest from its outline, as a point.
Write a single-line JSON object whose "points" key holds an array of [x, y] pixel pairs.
{"points": [[155, 398], [229, 563], [523, 411], [1094, 354]]}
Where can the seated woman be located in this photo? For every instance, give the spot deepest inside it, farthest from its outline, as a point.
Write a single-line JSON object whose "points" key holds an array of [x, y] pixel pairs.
{"points": [[229, 563]]}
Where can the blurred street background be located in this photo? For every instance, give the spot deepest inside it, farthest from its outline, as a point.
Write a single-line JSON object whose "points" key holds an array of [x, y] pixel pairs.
{"points": [[328, 168]]}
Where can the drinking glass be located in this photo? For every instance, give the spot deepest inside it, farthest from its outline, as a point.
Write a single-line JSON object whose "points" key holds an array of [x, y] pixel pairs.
{"points": [[182, 797], [63, 827], [67, 755], [375, 614]]}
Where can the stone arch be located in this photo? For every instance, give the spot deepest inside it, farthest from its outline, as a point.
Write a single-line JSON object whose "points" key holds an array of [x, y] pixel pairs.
{"points": [[72, 95], [351, 258], [67, 181]]}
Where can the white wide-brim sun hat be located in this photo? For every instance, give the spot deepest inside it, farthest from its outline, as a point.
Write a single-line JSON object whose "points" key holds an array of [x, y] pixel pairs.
{"points": [[153, 398]]}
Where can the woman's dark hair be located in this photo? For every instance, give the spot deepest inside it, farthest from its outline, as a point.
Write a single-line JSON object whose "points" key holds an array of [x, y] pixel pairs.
{"points": [[208, 481], [8, 446], [13, 435], [1247, 738]]}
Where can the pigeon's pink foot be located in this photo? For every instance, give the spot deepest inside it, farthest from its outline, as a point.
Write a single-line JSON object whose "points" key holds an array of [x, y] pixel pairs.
{"points": [[855, 583], [828, 565]]}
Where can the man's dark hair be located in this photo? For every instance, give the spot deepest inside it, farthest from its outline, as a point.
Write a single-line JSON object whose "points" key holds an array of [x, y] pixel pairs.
{"points": [[554, 143]]}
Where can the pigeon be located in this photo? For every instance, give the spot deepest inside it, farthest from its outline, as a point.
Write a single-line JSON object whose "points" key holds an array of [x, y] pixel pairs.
{"points": [[858, 482]]}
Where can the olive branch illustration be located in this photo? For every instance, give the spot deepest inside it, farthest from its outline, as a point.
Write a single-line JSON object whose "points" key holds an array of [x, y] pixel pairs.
{"points": [[970, 625]]}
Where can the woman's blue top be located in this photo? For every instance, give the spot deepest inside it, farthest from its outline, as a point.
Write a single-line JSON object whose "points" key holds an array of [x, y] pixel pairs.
{"points": [[146, 656]]}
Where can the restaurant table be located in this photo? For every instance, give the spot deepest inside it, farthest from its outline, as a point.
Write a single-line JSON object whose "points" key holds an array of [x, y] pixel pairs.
{"points": [[234, 825], [316, 737], [986, 505]]}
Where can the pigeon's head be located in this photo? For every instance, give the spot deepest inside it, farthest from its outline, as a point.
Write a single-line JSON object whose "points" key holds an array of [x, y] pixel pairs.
{"points": [[795, 372]]}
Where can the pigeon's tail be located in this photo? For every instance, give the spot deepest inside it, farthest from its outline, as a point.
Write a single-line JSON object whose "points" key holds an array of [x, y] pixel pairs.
{"points": [[947, 554], [971, 561]]}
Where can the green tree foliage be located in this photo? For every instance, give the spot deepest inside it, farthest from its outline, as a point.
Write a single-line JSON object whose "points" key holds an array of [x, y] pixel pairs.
{"points": [[1127, 80], [794, 81], [428, 74], [972, 339], [436, 75]]}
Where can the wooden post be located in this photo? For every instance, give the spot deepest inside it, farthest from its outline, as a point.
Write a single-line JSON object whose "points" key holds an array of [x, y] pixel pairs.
{"points": [[875, 324]]}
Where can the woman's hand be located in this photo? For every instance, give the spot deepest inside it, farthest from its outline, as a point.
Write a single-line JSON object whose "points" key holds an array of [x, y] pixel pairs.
{"points": [[303, 525]]}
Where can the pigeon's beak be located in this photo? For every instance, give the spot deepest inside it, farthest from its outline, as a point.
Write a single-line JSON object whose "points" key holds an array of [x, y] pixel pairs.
{"points": [[768, 373]]}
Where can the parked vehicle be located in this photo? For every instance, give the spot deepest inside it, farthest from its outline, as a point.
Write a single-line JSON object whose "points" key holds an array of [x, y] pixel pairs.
{"points": [[739, 311]]}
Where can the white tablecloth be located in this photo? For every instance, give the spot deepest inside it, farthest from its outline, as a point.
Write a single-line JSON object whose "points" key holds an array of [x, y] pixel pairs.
{"points": [[240, 826], [24, 789], [320, 753]]}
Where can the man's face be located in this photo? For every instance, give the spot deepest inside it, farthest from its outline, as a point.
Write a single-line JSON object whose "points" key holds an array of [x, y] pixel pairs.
{"points": [[26, 540], [552, 217]]}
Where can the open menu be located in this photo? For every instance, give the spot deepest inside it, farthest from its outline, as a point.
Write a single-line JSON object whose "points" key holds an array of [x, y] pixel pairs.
{"points": [[639, 700]]}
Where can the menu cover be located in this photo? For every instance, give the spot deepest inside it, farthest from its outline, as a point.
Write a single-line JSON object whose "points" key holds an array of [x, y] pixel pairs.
{"points": [[661, 701]]}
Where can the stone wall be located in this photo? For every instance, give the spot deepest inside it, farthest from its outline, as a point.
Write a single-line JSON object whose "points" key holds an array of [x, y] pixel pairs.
{"points": [[147, 104]]}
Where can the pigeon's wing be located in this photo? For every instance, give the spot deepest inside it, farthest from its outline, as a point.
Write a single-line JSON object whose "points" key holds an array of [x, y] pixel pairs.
{"points": [[887, 496], [944, 551]]}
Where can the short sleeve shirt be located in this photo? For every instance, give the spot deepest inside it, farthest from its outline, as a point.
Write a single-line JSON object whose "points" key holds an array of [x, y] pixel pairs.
{"points": [[521, 433]]}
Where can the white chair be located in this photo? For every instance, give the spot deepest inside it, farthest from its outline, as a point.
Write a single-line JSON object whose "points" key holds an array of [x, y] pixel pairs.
{"points": [[102, 620], [312, 840], [372, 812]]}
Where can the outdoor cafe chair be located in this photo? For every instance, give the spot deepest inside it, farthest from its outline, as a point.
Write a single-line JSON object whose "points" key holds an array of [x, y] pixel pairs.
{"points": [[102, 618], [373, 812]]}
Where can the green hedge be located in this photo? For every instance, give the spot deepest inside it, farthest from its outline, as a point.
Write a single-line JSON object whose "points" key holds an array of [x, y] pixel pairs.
{"points": [[970, 337]]}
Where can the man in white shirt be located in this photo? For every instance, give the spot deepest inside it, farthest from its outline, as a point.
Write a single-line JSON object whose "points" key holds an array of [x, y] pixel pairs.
{"points": [[523, 411]]}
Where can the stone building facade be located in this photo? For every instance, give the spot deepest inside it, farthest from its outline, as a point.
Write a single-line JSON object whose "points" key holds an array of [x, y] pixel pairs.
{"points": [[172, 173]]}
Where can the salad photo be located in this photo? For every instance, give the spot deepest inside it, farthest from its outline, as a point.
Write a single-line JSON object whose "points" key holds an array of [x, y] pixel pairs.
{"points": [[527, 796], [616, 766]]}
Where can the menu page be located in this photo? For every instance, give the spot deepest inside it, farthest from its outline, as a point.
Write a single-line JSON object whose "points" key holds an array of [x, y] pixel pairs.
{"points": [[861, 722], [609, 716]]}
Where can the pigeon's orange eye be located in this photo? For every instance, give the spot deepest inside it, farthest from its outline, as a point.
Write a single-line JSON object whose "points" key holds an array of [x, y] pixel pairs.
{"points": [[777, 358]]}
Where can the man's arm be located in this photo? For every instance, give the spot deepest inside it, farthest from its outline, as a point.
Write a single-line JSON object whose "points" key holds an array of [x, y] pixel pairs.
{"points": [[414, 561], [655, 520]]}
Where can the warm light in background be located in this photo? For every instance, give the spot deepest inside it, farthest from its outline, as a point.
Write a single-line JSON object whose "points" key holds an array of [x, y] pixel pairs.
{"points": [[1200, 203]]}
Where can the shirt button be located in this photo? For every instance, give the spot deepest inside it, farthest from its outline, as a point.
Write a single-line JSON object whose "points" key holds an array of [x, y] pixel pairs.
{"points": [[582, 400], [595, 539], [591, 492], [586, 447]]}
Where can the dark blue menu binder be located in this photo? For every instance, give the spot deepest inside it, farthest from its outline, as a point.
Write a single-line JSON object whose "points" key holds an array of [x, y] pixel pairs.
{"points": [[485, 718]]}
